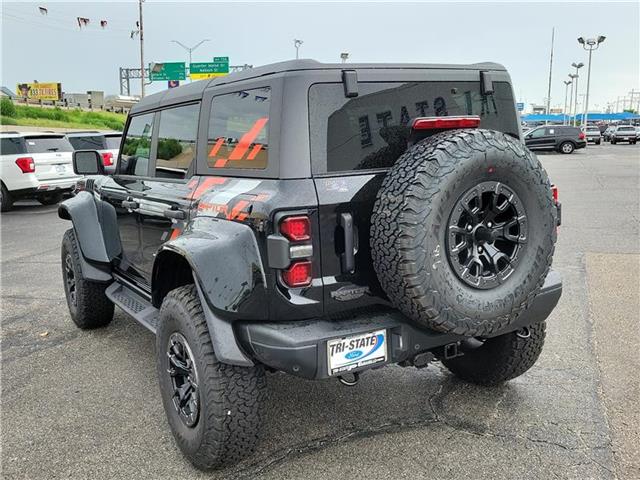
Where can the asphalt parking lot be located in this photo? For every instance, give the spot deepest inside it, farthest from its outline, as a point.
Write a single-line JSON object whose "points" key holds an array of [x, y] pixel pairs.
{"points": [[86, 404]]}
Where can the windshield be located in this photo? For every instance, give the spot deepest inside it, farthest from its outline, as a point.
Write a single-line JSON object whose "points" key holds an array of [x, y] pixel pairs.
{"points": [[626, 129], [47, 144], [95, 142]]}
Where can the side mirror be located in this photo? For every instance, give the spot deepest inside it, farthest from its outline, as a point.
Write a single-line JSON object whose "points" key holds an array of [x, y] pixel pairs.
{"points": [[87, 162]]}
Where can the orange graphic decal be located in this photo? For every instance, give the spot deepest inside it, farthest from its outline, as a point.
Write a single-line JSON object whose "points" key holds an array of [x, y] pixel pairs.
{"points": [[206, 184], [175, 233], [247, 139], [254, 151], [221, 162], [214, 150]]}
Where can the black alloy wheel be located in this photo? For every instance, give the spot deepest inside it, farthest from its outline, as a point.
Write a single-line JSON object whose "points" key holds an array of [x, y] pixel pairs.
{"points": [[184, 379], [70, 280], [487, 229]]}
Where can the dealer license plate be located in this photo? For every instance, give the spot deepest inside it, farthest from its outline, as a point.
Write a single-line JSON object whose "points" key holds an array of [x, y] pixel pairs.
{"points": [[60, 168], [356, 351]]}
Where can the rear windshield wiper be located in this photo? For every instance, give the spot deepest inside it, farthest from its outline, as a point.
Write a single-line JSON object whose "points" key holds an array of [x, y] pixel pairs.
{"points": [[53, 149]]}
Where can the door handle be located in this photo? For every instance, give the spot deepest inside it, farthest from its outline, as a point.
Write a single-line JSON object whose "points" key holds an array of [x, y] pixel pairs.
{"points": [[175, 213], [348, 258], [130, 204]]}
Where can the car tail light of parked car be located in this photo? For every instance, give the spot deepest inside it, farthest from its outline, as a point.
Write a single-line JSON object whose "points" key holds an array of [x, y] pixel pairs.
{"points": [[581, 135], [26, 164], [107, 159]]}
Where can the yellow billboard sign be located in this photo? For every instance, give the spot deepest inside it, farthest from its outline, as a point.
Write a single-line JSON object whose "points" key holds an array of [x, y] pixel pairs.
{"points": [[40, 91]]}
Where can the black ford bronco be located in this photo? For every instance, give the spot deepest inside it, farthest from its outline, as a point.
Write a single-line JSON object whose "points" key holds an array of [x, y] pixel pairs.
{"points": [[319, 220]]}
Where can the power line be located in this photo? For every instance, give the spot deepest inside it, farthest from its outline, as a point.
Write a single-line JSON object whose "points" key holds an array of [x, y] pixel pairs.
{"points": [[64, 17], [67, 23], [65, 28]]}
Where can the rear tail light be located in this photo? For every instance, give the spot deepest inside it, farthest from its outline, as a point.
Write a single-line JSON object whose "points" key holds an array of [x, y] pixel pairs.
{"points": [[581, 136], [107, 159], [298, 274], [296, 229], [26, 164], [554, 192], [444, 123]]}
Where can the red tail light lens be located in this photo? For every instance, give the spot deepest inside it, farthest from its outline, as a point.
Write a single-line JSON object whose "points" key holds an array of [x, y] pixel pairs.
{"points": [[296, 229], [581, 136], [554, 191], [439, 123], [298, 274], [107, 159], [26, 164]]}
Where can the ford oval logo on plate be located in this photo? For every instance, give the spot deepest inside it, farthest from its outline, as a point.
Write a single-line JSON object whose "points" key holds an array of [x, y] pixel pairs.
{"points": [[353, 355]]}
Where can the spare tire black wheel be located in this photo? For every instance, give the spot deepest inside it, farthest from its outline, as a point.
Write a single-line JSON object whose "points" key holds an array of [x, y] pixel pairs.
{"points": [[463, 231]]}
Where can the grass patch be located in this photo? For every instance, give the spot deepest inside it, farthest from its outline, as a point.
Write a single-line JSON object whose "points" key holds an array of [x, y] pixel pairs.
{"points": [[59, 118]]}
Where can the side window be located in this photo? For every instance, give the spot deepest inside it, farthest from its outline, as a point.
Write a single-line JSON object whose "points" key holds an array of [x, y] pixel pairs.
{"points": [[238, 130], [551, 131], [11, 146], [136, 146], [177, 141], [537, 133]]}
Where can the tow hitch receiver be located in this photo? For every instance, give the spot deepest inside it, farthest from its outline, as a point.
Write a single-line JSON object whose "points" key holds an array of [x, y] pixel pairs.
{"points": [[452, 350]]}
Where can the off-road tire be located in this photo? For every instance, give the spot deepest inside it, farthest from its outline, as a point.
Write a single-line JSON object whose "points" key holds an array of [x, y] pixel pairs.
{"points": [[409, 229], [230, 397], [6, 202], [566, 148], [92, 308], [500, 358], [50, 198]]}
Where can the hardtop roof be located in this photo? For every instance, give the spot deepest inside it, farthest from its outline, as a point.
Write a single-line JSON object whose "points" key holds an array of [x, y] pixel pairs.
{"points": [[194, 90]]}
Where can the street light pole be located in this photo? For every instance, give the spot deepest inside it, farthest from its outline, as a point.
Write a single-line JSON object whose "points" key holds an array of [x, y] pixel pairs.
{"points": [[141, 32], [564, 111], [553, 34], [191, 49], [296, 44], [575, 106], [590, 44], [574, 80]]}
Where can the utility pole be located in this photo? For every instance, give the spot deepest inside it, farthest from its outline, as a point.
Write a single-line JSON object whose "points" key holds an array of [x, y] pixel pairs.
{"points": [[141, 52], [553, 34], [633, 93], [564, 110]]}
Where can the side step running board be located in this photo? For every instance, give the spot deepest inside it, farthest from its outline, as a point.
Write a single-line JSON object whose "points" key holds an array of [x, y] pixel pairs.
{"points": [[134, 305]]}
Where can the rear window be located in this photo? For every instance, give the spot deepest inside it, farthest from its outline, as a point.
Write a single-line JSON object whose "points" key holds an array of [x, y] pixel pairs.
{"points": [[626, 129], [47, 144], [88, 143], [371, 130], [11, 146], [239, 130], [113, 142]]}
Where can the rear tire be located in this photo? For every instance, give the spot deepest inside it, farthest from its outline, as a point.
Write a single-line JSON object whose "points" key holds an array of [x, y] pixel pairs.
{"points": [[219, 421], [598, 142], [566, 148], [88, 305], [50, 198], [613, 141], [6, 201], [500, 358]]}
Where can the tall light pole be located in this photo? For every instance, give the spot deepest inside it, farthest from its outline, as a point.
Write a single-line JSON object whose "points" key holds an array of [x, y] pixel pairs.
{"points": [[141, 34], [574, 80], [590, 44], [296, 44], [566, 90], [553, 34], [191, 49], [577, 66]]}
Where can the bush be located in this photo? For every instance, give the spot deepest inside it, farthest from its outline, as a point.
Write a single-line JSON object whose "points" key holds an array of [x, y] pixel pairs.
{"points": [[7, 108]]}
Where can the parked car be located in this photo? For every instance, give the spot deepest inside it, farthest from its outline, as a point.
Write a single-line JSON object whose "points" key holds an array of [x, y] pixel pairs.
{"points": [[35, 165], [107, 143], [624, 133], [593, 134], [562, 138], [606, 136], [320, 221]]}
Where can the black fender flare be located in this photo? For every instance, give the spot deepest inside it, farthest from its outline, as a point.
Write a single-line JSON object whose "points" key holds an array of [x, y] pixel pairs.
{"points": [[229, 276]]}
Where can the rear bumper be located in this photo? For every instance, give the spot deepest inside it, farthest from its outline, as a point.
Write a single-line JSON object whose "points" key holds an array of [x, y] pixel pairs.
{"points": [[581, 144], [299, 347], [30, 186]]}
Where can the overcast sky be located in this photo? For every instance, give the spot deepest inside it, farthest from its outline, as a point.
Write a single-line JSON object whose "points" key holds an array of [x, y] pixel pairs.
{"points": [[518, 35]]}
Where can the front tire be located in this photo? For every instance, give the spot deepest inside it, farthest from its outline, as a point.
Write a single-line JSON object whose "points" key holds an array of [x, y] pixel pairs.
{"points": [[88, 305], [214, 409], [500, 358], [566, 148]]}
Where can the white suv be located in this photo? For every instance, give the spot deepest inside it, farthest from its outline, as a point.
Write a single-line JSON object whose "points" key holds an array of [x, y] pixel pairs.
{"points": [[35, 165], [106, 143]]}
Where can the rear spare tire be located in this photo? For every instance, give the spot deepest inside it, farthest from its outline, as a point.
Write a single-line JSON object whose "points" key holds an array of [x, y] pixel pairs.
{"points": [[463, 231]]}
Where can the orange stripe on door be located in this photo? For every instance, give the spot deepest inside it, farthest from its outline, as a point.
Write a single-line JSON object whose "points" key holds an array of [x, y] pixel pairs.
{"points": [[247, 139], [221, 162]]}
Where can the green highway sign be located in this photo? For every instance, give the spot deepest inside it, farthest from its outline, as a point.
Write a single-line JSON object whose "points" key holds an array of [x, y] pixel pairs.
{"points": [[198, 71], [167, 71]]}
